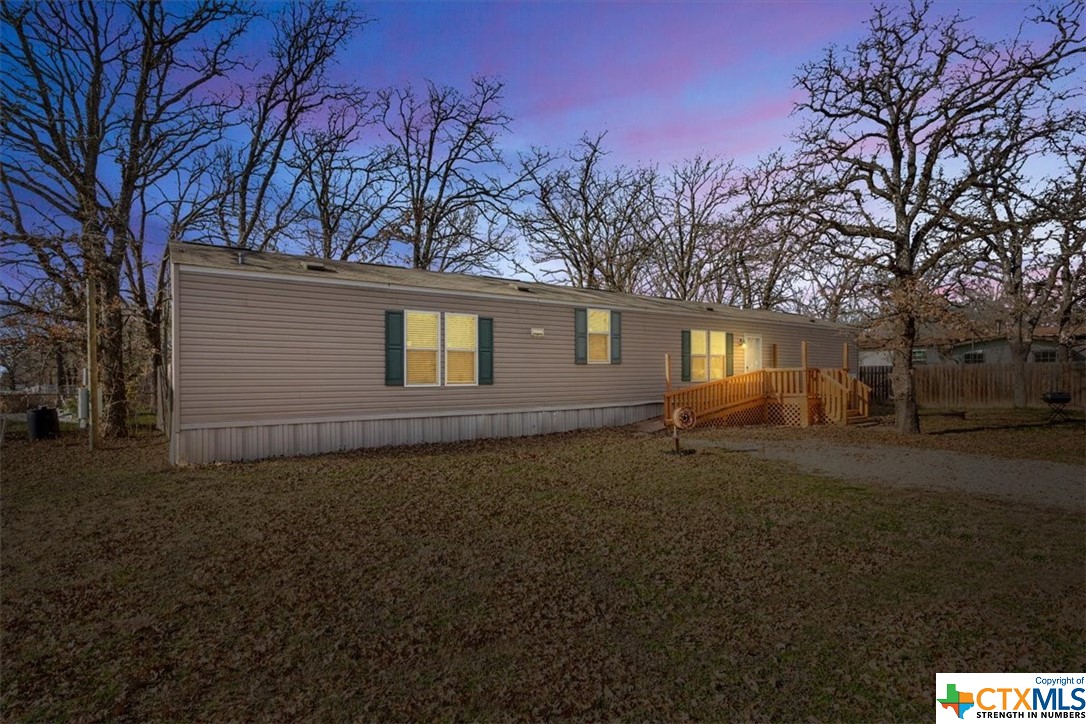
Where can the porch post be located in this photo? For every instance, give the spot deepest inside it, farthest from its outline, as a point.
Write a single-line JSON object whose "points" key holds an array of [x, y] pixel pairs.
{"points": [[667, 387], [804, 404]]}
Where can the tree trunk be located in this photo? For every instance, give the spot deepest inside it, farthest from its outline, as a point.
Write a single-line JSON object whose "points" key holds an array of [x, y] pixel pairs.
{"points": [[906, 414], [156, 391], [111, 363], [58, 359], [1019, 353]]}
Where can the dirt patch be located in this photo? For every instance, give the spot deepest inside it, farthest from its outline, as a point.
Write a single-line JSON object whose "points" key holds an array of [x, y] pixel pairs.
{"points": [[1003, 434], [1037, 482]]}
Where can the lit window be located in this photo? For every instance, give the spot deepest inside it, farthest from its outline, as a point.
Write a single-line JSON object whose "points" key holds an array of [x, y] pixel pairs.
{"points": [[599, 336], [421, 347], [717, 353], [973, 358], [699, 355], [461, 349], [920, 356], [1044, 355], [708, 355]]}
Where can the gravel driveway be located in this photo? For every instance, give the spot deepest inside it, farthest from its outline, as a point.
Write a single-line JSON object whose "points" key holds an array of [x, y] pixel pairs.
{"points": [[1034, 481]]}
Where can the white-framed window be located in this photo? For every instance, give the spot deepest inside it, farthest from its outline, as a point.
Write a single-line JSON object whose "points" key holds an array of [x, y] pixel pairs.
{"points": [[708, 355], [461, 349], [422, 340], [975, 357], [599, 336], [1044, 355], [920, 356]]}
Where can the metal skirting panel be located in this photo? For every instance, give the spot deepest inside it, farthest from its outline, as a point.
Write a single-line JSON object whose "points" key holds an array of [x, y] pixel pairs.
{"points": [[207, 445]]}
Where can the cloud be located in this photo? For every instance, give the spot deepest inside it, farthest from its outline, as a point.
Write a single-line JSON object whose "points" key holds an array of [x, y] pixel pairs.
{"points": [[666, 79], [734, 132]]}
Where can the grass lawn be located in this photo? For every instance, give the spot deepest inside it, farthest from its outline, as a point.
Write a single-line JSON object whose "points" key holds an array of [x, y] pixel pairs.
{"points": [[580, 575]]}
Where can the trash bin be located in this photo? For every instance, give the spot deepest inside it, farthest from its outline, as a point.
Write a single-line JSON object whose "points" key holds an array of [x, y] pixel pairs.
{"points": [[42, 423]]}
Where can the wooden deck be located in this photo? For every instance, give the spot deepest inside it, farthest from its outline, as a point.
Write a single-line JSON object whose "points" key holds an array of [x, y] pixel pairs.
{"points": [[797, 396]]}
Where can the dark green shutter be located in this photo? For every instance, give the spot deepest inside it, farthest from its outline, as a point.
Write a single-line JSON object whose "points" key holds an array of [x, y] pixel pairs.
{"points": [[394, 348], [686, 355], [580, 336], [616, 338], [486, 351], [729, 359]]}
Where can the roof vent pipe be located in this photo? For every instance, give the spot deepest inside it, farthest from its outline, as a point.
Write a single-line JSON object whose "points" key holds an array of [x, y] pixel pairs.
{"points": [[241, 258]]}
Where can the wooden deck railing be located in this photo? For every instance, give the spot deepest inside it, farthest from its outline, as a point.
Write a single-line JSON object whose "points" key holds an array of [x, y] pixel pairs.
{"points": [[785, 381], [710, 397], [838, 392]]}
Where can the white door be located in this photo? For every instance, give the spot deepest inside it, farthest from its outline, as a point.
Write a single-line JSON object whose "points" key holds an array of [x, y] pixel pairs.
{"points": [[752, 353]]}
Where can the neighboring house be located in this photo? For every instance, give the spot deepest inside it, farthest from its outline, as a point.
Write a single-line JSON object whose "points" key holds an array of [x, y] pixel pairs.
{"points": [[284, 355], [875, 357], [990, 350], [993, 350]]}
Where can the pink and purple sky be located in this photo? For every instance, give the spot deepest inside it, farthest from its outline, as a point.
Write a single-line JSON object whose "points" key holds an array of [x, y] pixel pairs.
{"points": [[664, 79]]}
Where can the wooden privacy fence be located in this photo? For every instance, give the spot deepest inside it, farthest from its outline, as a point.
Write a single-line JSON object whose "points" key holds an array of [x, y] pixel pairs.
{"points": [[984, 385], [877, 377]]}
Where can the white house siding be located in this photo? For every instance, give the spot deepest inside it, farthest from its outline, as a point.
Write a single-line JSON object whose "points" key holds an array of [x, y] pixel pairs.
{"points": [[280, 366]]}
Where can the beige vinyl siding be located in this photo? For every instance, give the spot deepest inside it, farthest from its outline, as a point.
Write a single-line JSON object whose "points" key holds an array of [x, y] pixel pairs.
{"points": [[261, 350]]}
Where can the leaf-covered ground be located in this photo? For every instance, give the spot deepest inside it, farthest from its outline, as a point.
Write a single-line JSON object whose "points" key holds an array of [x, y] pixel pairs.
{"points": [[586, 575]]}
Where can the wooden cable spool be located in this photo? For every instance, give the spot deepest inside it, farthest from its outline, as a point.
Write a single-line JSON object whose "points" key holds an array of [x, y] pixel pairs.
{"points": [[684, 418]]}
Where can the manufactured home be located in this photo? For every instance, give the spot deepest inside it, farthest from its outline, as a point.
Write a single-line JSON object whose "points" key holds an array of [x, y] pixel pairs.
{"points": [[284, 355]]}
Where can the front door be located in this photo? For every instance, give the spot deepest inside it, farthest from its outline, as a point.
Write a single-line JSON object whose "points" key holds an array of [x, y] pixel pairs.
{"points": [[752, 353]]}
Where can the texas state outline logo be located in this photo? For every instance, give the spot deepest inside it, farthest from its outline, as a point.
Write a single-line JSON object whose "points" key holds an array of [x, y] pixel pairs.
{"points": [[957, 701]]}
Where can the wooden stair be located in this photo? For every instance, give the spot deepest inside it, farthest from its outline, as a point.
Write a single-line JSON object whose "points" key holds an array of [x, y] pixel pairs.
{"points": [[856, 418]]}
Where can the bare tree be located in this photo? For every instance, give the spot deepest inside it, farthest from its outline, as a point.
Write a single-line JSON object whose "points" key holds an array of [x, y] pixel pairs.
{"points": [[456, 184], [834, 281], [1064, 202], [347, 192], [593, 223], [256, 199], [902, 126], [1033, 246], [102, 101], [767, 235], [689, 208], [39, 346]]}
